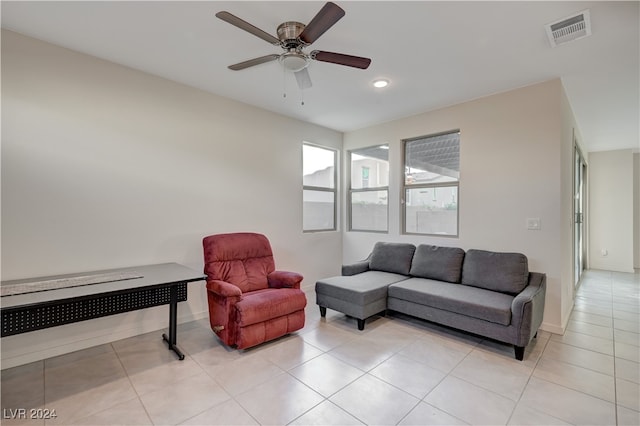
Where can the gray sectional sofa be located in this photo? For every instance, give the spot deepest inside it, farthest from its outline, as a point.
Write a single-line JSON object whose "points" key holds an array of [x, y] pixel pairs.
{"points": [[486, 293]]}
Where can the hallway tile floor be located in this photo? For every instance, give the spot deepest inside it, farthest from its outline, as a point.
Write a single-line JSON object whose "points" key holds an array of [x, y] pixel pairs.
{"points": [[398, 370]]}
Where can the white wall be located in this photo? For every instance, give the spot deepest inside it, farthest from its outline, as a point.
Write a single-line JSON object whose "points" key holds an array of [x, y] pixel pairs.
{"points": [[513, 151], [611, 223], [104, 166]]}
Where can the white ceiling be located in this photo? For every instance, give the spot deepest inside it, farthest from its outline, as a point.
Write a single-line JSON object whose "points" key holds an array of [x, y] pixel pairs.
{"points": [[434, 53]]}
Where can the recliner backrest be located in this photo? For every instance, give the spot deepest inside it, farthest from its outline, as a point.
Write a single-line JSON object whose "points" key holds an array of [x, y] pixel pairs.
{"points": [[243, 259]]}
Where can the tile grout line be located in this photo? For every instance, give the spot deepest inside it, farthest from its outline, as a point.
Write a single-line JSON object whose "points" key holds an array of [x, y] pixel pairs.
{"points": [[528, 380], [615, 381], [327, 398], [44, 389], [443, 379], [615, 405], [231, 396], [130, 383]]}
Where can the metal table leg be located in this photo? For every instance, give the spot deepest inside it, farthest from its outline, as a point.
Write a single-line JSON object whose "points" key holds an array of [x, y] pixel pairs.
{"points": [[173, 320]]}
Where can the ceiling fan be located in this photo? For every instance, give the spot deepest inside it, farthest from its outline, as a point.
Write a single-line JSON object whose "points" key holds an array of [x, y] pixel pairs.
{"points": [[293, 37]]}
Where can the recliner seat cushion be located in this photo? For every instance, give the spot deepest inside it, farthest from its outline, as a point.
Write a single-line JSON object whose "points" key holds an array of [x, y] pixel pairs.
{"points": [[392, 257], [503, 272], [470, 301], [263, 305], [437, 263]]}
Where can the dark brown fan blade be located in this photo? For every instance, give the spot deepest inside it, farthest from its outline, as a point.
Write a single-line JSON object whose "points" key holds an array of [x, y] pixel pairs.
{"points": [[251, 62], [325, 19], [244, 25], [341, 59]]}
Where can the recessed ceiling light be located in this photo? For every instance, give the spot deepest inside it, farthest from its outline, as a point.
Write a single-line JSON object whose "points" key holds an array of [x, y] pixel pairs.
{"points": [[380, 83]]}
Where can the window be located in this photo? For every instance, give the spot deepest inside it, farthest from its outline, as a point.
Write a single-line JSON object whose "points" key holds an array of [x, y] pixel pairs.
{"points": [[365, 177], [319, 188], [369, 189], [431, 181]]}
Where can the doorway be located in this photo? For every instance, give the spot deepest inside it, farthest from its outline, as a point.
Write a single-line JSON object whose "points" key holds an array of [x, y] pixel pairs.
{"points": [[579, 202]]}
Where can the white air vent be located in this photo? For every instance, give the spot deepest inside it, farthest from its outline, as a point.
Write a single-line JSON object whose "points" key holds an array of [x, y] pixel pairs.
{"points": [[570, 28]]}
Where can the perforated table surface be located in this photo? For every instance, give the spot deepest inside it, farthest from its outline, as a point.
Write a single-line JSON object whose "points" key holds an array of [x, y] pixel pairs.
{"points": [[38, 303]]}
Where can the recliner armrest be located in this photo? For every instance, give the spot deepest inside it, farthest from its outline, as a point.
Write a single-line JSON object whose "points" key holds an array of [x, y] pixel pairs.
{"points": [[355, 268], [284, 279], [224, 288]]}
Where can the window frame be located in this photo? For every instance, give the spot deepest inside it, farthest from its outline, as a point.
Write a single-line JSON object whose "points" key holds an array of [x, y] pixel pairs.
{"points": [[405, 187], [367, 189], [333, 190]]}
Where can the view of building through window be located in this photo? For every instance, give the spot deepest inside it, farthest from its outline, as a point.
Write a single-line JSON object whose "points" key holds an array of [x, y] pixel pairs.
{"points": [[432, 173], [319, 188], [369, 189], [430, 187]]}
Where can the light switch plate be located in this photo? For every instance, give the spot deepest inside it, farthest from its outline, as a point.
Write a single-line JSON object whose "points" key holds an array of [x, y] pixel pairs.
{"points": [[533, 223]]}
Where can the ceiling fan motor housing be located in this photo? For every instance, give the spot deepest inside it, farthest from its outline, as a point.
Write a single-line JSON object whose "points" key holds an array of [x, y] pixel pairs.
{"points": [[288, 33], [294, 59]]}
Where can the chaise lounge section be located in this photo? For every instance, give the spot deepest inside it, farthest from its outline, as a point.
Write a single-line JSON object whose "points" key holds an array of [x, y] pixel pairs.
{"points": [[361, 291], [482, 292]]}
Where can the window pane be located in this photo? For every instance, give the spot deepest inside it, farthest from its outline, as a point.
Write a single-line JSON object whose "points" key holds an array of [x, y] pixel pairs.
{"points": [[318, 166], [432, 159], [318, 210], [432, 210], [369, 211], [370, 167]]}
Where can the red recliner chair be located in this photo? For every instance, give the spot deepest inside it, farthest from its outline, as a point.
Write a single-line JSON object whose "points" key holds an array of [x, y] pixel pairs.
{"points": [[249, 301]]}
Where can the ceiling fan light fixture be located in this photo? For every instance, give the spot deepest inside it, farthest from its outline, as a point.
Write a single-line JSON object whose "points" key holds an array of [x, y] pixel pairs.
{"points": [[294, 61], [380, 83]]}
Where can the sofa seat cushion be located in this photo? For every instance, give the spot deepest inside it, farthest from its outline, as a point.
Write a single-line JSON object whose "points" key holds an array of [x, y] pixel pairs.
{"points": [[471, 301], [262, 305], [504, 272], [360, 289]]}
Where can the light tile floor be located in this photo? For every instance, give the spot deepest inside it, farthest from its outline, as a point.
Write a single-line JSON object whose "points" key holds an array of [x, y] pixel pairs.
{"points": [[397, 371]]}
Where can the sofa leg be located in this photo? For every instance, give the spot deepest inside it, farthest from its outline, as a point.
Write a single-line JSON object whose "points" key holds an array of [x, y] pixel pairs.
{"points": [[535, 336], [360, 324], [519, 352], [323, 311]]}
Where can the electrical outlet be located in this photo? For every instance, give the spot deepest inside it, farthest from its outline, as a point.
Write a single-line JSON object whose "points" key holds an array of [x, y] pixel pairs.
{"points": [[604, 252], [533, 223]]}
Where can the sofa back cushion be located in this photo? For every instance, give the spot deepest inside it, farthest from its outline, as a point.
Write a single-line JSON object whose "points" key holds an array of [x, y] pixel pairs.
{"points": [[392, 257], [437, 263], [503, 272]]}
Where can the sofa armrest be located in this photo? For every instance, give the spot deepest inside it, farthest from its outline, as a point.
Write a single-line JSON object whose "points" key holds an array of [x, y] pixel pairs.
{"points": [[284, 279], [527, 308], [223, 288], [355, 268]]}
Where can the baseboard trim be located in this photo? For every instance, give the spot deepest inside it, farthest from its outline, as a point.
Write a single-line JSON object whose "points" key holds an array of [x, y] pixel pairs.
{"points": [[52, 351], [552, 328]]}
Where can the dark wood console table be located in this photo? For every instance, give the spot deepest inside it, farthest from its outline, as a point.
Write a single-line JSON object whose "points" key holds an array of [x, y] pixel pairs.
{"points": [[38, 303]]}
